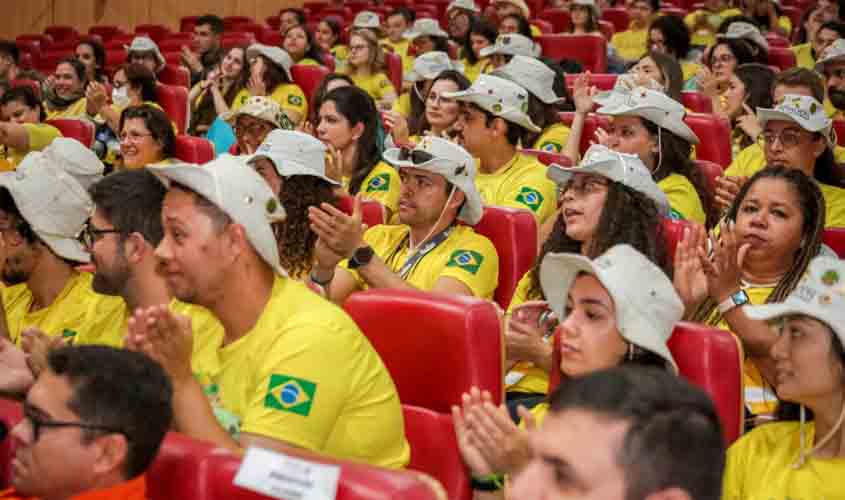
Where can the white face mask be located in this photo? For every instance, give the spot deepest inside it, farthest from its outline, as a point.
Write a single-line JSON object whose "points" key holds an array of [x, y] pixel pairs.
{"points": [[120, 97]]}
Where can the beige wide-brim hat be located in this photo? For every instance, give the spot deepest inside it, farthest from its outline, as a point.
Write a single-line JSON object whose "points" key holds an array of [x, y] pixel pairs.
{"points": [[498, 96], [805, 111], [651, 105], [146, 44], [260, 108], [276, 55], [294, 153], [834, 53], [531, 74], [431, 64]]}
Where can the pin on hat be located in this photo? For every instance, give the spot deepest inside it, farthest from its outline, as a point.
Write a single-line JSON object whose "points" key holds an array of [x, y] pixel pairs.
{"points": [[805, 111], [294, 153], [276, 55], [512, 44], [431, 64], [242, 194], [448, 159], [425, 27], [623, 168], [261, 108], [532, 75], [647, 306], [498, 96], [651, 105], [146, 44]]}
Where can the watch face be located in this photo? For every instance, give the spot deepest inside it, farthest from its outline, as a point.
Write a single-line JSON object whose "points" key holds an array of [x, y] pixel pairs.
{"points": [[740, 298]]}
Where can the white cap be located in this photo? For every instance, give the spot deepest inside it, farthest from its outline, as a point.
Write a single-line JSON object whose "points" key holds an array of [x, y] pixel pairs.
{"points": [[745, 31], [526, 12], [531, 74], [512, 44], [431, 64], [261, 108], [277, 55], [820, 294], [294, 153], [144, 44], [52, 202], [623, 168], [452, 162], [240, 192], [647, 306], [501, 97], [74, 158], [806, 111], [834, 53], [589, 4], [367, 20], [425, 27], [463, 4], [651, 105]]}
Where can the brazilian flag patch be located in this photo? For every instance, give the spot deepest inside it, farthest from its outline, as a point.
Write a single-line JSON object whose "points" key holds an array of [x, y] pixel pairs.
{"points": [[380, 182], [674, 214], [294, 100], [468, 260], [290, 394], [551, 147], [531, 198], [68, 336]]}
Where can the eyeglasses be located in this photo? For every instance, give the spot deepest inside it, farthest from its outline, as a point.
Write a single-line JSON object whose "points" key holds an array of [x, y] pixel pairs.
{"points": [[415, 155], [91, 235], [724, 59], [39, 423], [356, 48], [133, 136], [254, 129], [788, 138]]}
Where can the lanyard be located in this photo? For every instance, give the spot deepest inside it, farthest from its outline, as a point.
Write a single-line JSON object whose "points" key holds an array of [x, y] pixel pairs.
{"points": [[412, 261]]}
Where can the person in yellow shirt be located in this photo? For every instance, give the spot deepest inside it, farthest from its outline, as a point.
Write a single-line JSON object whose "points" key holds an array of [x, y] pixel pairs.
{"points": [[427, 67], [295, 370], [139, 88], [270, 77], [440, 113], [43, 211], [669, 35], [482, 34], [428, 250], [253, 121], [396, 25], [22, 130], [426, 36], [704, 22], [832, 66], [772, 229], [800, 455], [506, 47], [505, 8], [630, 44], [300, 45], [146, 137], [64, 95], [327, 36], [367, 68], [460, 16], [491, 125]]}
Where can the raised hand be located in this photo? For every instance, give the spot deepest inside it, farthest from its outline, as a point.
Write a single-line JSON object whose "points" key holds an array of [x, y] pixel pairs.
{"points": [[724, 268], [689, 279]]}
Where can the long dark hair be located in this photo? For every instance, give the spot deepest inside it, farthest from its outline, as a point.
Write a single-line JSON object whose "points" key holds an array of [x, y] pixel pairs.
{"points": [[741, 50], [274, 75], [757, 79], [592, 22], [676, 36], [357, 107], [296, 239], [99, 59], [321, 91], [418, 122], [205, 113], [313, 51], [479, 26]]}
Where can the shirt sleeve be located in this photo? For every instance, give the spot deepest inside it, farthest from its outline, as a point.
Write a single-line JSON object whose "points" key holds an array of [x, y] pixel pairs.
{"points": [[383, 186], [40, 135], [291, 98], [533, 192], [385, 86], [474, 263]]}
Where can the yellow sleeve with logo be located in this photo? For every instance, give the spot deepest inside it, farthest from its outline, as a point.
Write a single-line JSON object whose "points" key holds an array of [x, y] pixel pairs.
{"points": [[553, 139], [471, 71], [630, 45], [240, 99], [683, 198], [523, 185], [377, 85], [382, 185], [290, 97], [403, 105]]}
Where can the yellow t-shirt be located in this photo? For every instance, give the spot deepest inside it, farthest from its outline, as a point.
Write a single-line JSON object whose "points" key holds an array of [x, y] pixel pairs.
{"points": [[689, 70], [287, 95], [465, 256], [306, 375], [521, 183], [707, 37], [471, 71], [831, 111], [524, 376], [40, 136], [535, 31], [804, 56], [340, 53], [75, 110], [759, 466], [403, 105], [377, 85], [307, 61], [630, 45], [400, 48], [683, 198], [553, 138], [78, 314], [382, 184]]}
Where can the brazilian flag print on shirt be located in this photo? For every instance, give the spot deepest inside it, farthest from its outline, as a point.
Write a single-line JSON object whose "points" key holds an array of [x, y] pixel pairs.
{"points": [[468, 260], [291, 394], [380, 182], [531, 198]]}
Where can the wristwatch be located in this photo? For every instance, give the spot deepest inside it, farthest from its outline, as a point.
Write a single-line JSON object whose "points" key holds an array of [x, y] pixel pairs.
{"points": [[737, 299], [361, 257]]}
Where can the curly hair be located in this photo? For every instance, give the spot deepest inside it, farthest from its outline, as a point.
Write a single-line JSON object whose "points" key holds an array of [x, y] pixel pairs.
{"points": [[295, 237], [813, 210], [628, 216]]}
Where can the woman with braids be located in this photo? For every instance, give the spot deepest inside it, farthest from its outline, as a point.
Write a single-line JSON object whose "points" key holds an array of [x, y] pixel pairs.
{"points": [[770, 234], [602, 206], [294, 165]]}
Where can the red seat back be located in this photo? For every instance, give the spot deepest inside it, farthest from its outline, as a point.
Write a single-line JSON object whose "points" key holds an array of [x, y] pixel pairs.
{"points": [[49, 59], [434, 450], [618, 16], [674, 11], [308, 77], [394, 70], [26, 60], [714, 136], [834, 237], [559, 18], [589, 50], [839, 127], [372, 212], [187, 23], [775, 40], [607, 29], [105, 31], [435, 346], [81, 130], [782, 57], [273, 38], [11, 413], [513, 231], [233, 22], [174, 101], [344, 13], [174, 43], [194, 149], [62, 32], [173, 74], [32, 84], [157, 32], [174, 473], [673, 233], [239, 38], [544, 26], [115, 57], [591, 123], [120, 41], [273, 22], [696, 102], [711, 172]]}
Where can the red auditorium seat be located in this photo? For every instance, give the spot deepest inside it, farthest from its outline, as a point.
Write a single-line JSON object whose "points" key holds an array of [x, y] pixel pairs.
{"points": [[173, 74], [673, 233], [618, 16], [794, 13], [174, 100], [839, 127], [32, 84], [513, 231], [174, 472], [434, 450], [120, 41], [607, 29], [240, 38], [11, 413], [157, 32], [187, 23], [711, 172], [372, 212], [696, 102], [394, 69], [547, 158], [194, 149], [48, 60], [173, 57], [315, 7], [343, 12], [230, 23], [775, 40], [115, 57], [834, 237], [602, 81], [32, 47], [105, 31], [273, 38], [81, 130], [545, 27], [673, 11], [714, 136], [308, 78], [25, 61], [273, 22], [559, 18], [589, 50], [61, 32], [592, 123], [175, 41], [708, 358], [782, 57]]}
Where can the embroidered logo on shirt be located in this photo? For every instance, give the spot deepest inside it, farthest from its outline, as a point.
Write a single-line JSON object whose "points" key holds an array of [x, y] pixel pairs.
{"points": [[380, 182], [468, 260], [531, 198], [290, 394], [69, 336], [551, 147], [295, 100]]}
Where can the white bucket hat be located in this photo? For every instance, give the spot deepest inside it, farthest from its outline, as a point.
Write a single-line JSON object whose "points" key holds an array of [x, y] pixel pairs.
{"points": [[806, 111], [52, 202], [431, 64], [277, 55], [746, 31], [590, 4], [834, 53], [647, 306], [425, 27], [526, 12], [652, 105], [512, 44], [531, 74], [450, 160], [145, 44], [75, 159], [367, 20], [501, 97], [294, 153], [463, 4], [240, 192], [619, 167], [261, 108]]}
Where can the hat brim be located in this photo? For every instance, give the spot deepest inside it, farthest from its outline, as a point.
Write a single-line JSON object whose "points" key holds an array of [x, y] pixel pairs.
{"points": [[513, 116], [765, 115], [231, 117], [769, 312], [296, 168], [410, 35], [67, 248], [258, 49], [653, 114]]}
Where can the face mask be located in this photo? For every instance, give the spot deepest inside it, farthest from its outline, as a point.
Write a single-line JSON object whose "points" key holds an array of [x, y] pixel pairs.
{"points": [[120, 97]]}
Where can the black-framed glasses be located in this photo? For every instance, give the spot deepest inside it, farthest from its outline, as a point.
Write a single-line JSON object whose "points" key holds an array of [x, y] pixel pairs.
{"points": [[91, 234], [39, 423], [415, 155]]}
